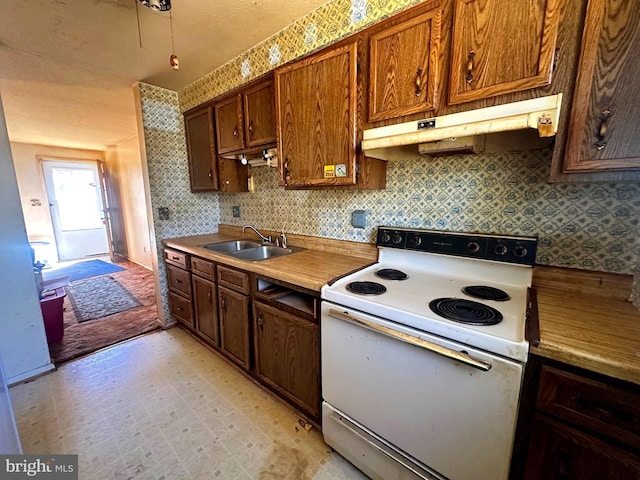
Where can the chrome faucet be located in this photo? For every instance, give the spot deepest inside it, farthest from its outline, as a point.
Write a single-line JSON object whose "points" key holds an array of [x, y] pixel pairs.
{"points": [[266, 239]]}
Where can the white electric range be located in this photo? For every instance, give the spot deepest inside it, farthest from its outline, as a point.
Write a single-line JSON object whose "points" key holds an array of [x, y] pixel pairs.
{"points": [[423, 355]]}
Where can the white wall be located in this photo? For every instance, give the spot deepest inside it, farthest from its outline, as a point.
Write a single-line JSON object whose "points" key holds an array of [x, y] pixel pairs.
{"points": [[124, 163], [23, 344]]}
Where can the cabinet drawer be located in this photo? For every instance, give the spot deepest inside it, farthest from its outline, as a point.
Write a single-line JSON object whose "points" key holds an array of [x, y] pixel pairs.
{"points": [[557, 451], [202, 268], [179, 281], [611, 411], [176, 258], [234, 279], [181, 309]]}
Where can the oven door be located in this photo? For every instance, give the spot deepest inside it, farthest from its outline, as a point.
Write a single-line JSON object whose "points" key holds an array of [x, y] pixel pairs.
{"points": [[450, 407]]}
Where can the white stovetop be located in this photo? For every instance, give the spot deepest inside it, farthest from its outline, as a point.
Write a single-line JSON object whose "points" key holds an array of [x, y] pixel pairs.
{"points": [[434, 276]]}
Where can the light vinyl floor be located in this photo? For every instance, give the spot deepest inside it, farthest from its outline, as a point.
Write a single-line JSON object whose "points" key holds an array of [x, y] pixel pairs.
{"points": [[164, 407]]}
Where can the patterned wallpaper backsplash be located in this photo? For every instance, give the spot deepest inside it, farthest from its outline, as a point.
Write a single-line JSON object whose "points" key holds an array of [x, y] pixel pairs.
{"points": [[593, 227], [189, 214]]}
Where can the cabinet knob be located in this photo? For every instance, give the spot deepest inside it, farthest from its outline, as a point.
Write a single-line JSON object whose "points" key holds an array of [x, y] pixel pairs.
{"points": [[179, 309], [235, 132], [209, 295], [470, 57], [223, 302], [602, 129], [260, 321], [251, 130], [178, 281], [210, 174], [418, 82]]}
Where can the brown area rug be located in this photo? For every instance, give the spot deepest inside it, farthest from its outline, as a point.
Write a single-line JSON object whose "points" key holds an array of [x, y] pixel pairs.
{"points": [[82, 338]]}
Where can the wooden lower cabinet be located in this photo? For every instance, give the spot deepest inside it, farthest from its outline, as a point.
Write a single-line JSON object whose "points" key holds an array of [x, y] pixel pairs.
{"points": [[557, 451], [205, 309], [287, 356], [181, 309], [233, 310], [576, 425]]}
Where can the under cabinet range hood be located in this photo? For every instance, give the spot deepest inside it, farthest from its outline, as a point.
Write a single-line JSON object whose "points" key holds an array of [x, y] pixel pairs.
{"points": [[464, 132]]}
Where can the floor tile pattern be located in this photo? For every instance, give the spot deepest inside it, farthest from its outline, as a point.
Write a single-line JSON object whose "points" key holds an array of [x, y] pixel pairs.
{"points": [[164, 407]]}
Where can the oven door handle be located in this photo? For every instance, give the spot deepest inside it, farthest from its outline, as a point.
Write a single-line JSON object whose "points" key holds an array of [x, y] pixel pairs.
{"points": [[413, 340]]}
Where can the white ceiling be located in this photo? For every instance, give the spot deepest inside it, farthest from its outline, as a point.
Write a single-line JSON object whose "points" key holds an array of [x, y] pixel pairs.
{"points": [[67, 66]]}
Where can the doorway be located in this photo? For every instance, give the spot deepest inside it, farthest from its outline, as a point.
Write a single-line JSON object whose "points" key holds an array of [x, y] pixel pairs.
{"points": [[76, 203]]}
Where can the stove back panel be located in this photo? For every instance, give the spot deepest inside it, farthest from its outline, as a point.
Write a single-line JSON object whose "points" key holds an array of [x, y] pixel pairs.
{"points": [[500, 248]]}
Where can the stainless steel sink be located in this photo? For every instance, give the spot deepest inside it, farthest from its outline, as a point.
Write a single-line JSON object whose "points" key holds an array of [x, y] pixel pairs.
{"points": [[251, 251], [262, 253], [232, 246]]}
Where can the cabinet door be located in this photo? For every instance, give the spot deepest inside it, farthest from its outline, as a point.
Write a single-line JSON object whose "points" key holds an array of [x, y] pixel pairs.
{"points": [[201, 150], [404, 67], [559, 452], [501, 47], [234, 325], [229, 124], [205, 309], [316, 118], [287, 356], [259, 115], [604, 132]]}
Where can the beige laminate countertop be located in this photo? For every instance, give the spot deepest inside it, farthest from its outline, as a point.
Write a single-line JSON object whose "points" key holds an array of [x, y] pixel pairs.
{"points": [[309, 268], [592, 326]]}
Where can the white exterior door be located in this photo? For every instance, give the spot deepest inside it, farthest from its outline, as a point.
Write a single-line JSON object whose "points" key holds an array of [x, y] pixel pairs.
{"points": [[77, 210]]}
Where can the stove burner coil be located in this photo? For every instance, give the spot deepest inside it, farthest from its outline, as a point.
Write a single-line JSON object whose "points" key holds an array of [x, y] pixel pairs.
{"points": [[485, 292], [366, 288], [391, 274], [465, 311]]}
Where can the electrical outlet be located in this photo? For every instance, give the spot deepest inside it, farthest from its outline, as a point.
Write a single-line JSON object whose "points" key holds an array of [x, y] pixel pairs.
{"points": [[359, 218], [236, 210], [163, 213]]}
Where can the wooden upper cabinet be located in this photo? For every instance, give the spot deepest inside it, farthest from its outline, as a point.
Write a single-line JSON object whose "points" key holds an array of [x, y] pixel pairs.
{"points": [[500, 47], [229, 124], [403, 66], [201, 151], [316, 118], [604, 131], [259, 115]]}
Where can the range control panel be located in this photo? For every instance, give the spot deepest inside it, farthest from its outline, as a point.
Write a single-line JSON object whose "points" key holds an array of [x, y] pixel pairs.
{"points": [[501, 248]]}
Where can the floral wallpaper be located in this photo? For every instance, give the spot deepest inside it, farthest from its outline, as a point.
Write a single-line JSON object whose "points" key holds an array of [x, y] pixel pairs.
{"points": [[592, 226]]}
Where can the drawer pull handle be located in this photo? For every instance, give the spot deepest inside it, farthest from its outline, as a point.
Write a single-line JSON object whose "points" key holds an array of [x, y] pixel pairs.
{"points": [[470, 57], [175, 258], [413, 340], [602, 129], [418, 82]]}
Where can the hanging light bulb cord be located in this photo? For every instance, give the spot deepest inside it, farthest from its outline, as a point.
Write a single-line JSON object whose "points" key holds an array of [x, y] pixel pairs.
{"points": [[173, 49]]}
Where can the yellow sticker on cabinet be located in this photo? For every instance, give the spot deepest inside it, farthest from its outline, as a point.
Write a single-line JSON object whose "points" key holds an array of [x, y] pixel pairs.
{"points": [[329, 171], [341, 170]]}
